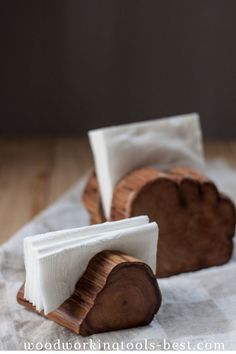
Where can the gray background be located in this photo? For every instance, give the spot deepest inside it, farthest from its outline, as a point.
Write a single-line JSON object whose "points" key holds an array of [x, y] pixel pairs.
{"points": [[68, 66]]}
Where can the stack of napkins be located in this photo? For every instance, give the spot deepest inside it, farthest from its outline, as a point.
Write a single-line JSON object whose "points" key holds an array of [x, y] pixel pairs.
{"points": [[164, 142], [55, 261]]}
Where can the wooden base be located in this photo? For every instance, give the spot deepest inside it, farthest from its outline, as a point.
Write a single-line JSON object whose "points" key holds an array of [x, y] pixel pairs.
{"points": [[196, 222], [116, 291]]}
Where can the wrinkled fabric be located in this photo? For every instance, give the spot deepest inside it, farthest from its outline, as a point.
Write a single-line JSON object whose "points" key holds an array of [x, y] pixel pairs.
{"points": [[197, 307]]}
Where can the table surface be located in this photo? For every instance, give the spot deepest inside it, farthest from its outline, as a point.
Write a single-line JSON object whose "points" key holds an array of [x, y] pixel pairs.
{"points": [[35, 172]]}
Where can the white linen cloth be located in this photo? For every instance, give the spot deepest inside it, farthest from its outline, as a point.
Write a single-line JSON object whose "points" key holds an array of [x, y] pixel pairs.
{"points": [[198, 307], [47, 244], [164, 142]]}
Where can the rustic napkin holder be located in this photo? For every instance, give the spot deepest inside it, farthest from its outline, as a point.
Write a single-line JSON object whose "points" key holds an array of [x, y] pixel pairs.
{"points": [[117, 291], [196, 222]]}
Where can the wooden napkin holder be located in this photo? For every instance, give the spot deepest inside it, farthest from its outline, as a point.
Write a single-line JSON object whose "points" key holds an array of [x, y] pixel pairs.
{"points": [[117, 291], [196, 222]]}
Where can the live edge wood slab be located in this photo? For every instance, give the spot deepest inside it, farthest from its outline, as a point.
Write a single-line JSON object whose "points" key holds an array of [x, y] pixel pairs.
{"points": [[196, 222], [116, 291]]}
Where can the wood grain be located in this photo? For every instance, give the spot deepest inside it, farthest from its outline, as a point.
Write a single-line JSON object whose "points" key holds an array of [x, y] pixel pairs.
{"points": [[34, 172], [196, 222], [116, 291]]}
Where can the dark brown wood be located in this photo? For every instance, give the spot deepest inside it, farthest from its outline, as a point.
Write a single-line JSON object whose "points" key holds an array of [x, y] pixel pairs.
{"points": [[92, 201], [196, 221], [116, 291]]}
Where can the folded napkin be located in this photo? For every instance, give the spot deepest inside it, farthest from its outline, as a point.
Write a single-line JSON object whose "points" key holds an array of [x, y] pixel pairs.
{"points": [[164, 142], [57, 264], [59, 239]]}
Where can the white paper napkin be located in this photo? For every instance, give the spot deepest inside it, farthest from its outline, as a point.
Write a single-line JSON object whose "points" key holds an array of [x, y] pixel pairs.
{"points": [[59, 239], [59, 272], [55, 261], [164, 142], [52, 244]]}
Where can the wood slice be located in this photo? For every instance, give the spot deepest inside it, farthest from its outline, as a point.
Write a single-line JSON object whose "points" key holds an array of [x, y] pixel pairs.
{"points": [[196, 222], [116, 291]]}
